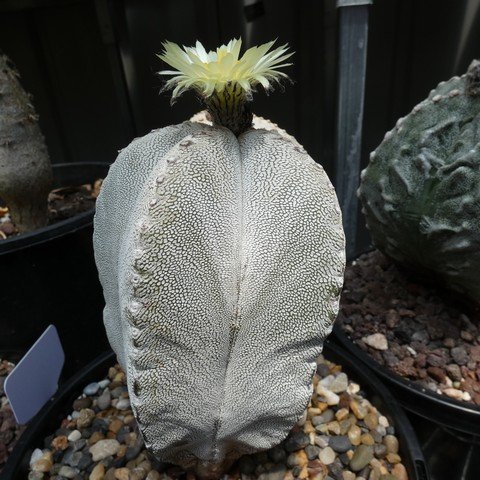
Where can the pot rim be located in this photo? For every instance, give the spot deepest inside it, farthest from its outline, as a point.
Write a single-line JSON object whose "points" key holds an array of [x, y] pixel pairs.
{"points": [[377, 393], [442, 409], [58, 229]]}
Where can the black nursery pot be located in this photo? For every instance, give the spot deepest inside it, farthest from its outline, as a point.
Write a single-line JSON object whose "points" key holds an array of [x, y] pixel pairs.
{"points": [[51, 415], [449, 430], [461, 417], [49, 277]]}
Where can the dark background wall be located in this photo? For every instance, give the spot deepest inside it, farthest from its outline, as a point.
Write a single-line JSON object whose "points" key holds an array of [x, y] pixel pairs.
{"points": [[91, 64]]}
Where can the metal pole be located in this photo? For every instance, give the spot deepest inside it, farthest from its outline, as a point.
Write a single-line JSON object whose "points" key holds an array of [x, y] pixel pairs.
{"points": [[352, 65]]}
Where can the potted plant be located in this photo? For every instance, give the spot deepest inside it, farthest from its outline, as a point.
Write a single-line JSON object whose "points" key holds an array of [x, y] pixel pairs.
{"points": [[412, 305], [221, 253], [207, 241], [46, 254], [94, 434]]}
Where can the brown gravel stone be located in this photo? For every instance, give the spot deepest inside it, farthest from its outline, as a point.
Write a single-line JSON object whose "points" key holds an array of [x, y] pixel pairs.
{"points": [[391, 442], [367, 439], [115, 425], [122, 474], [400, 472], [44, 464], [98, 472], [85, 418], [81, 403], [371, 421], [96, 436], [60, 443], [437, 374], [393, 458], [355, 435]]}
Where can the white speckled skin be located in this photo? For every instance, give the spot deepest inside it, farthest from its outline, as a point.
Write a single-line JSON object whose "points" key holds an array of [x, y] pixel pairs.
{"points": [[222, 262]]}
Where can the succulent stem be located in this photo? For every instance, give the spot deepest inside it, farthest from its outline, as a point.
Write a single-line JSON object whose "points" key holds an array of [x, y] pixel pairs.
{"points": [[473, 79], [230, 108]]}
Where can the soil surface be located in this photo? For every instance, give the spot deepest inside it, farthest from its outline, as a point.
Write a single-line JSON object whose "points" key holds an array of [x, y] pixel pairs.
{"points": [[63, 203], [341, 436], [9, 430], [418, 331]]}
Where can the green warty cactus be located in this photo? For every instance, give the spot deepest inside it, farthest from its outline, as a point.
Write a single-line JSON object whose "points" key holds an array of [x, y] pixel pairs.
{"points": [[421, 189], [221, 255]]}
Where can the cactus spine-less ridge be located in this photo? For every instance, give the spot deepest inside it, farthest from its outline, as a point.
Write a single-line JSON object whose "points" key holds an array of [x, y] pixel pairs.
{"points": [[421, 189], [221, 259], [25, 170]]}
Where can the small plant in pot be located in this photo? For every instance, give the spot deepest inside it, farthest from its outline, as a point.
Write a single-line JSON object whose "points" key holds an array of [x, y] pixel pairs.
{"points": [[229, 280], [220, 295], [46, 254], [413, 303], [26, 176], [25, 171]]}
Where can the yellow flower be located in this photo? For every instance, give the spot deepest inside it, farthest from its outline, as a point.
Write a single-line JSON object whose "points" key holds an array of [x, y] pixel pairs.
{"points": [[213, 71]]}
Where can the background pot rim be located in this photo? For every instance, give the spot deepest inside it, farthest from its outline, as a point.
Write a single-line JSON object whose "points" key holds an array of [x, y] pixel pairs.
{"points": [[442, 409], [58, 229]]}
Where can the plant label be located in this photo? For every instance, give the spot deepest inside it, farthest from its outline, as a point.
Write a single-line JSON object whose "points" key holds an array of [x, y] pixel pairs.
{"points": [[35, 379]]}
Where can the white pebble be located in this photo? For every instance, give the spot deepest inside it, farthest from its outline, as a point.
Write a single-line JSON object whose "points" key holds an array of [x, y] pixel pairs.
{"points": [[104, 448], [466, 396], [321, 441], [123, 404], [353, 388], [340, 383], [74, 436], [37, 454], [378, 341], [454, 393], [327, 381], [327, 456], [383, 421], [330, 397], [411, 350]]}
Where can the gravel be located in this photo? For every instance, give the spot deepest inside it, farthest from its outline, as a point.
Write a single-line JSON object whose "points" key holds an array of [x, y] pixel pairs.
{"points": [[422, 333], [343, 439], [10, 432]]}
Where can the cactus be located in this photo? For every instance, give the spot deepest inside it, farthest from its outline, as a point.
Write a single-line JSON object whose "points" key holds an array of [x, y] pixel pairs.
{"points": [[221, 256], [25, 171], [421, 189]]}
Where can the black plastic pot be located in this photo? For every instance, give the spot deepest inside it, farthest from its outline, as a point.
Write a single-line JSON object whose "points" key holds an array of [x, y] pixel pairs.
{"points": [[49, 276], [449, 430], [442, 410], [51, 415]]}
